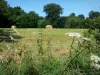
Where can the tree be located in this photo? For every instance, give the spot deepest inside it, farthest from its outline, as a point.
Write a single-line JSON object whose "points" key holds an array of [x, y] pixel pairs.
{"points": [[61, 22], [43, 23], [87, 23], [73, 22], [15, 13], [81, 16], [28, 20], [96, 23], [53, 12], [93, 14], [4, 20], [72, 15]]}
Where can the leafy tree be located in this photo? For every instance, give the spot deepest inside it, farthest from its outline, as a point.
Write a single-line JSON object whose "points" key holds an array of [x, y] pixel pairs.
{"points": [[96, 23], [87, 23], [93, 14], [73, 22], [29, 20], [53, 12], [43, 23], [72, 15], [81, 16], [61, 22], [15, 13], [4, 14]]}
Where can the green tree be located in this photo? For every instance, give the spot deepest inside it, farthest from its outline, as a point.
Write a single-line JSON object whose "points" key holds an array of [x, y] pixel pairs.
{"points": [[81, 16], [4, 13], [15, 13], [93, 14], [96, 23], [73, 22], [28, 20], [53, 12], [43, 23], [72, 15], [61, 22], [87, 23]]}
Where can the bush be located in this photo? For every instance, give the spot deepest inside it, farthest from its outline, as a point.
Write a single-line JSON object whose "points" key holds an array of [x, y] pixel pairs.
{"points": [[43, 23]]}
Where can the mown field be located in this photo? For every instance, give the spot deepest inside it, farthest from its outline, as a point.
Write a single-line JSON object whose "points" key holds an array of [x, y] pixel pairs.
{"points": [[58, 41]]}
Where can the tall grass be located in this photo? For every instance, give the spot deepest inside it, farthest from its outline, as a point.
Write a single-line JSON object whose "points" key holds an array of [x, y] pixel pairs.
{"points": [[39, 57]]}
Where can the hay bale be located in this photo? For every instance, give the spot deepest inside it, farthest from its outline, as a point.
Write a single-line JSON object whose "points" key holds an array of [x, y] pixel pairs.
{"points": [[13, 26], [49, 26]]}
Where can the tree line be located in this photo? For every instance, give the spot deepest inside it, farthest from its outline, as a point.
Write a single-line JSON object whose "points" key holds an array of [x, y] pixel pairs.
{"points": [[17, 16]]}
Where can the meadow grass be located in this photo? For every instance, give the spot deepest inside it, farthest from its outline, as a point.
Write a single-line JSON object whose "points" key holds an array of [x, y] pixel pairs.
{"points": [[43, 51], [60, 43], [57, 37]]}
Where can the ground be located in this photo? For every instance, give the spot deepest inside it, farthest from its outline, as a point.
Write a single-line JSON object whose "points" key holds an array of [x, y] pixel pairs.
{"points": [[53, 39]]}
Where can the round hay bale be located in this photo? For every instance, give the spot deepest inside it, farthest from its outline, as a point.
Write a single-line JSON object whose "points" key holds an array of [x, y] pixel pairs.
{"points": [[49, 26], [13, 26]]}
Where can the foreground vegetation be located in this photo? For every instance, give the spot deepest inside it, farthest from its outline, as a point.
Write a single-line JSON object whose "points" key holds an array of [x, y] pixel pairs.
{"points": [[46, 52]]}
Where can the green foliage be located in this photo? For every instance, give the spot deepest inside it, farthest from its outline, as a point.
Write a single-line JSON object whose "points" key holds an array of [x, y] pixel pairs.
{"points": [[50, 66], [94, 14], [96, 23], [43, 23], [73, 22], [53, 12], [72, 15], [87, 23], [81, 16], [28, 67], [17, 16], [29, 20], [61, 22], [4, 14], [15, 13]]}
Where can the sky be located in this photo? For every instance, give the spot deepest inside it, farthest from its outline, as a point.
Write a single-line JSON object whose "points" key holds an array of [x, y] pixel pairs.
{"points": [[70, 6]]}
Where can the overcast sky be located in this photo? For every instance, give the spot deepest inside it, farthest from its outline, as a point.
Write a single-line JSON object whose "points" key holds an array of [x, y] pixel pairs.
{"points": [[70, 6]]}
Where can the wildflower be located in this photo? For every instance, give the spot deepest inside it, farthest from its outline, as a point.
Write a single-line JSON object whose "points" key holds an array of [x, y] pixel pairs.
{"points": [[97, 66], [95, 59], [77, 35]]}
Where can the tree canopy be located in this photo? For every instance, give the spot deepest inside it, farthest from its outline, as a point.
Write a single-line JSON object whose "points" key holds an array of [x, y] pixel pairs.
{"points": [[29, 20], [17, 16], [53, 12]]}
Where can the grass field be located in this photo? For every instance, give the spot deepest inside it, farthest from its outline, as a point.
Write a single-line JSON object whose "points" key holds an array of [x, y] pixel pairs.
{"points": [[35, 48], [43, 52], [56, 38]]}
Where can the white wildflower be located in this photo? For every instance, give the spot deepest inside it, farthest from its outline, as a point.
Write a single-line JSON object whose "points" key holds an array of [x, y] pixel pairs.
{"points": [[97, 66], [95, 59], [77, 35]]}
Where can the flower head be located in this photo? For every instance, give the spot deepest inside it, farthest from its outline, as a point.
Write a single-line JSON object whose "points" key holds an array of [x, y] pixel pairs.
{"points": [[73, 34]]}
